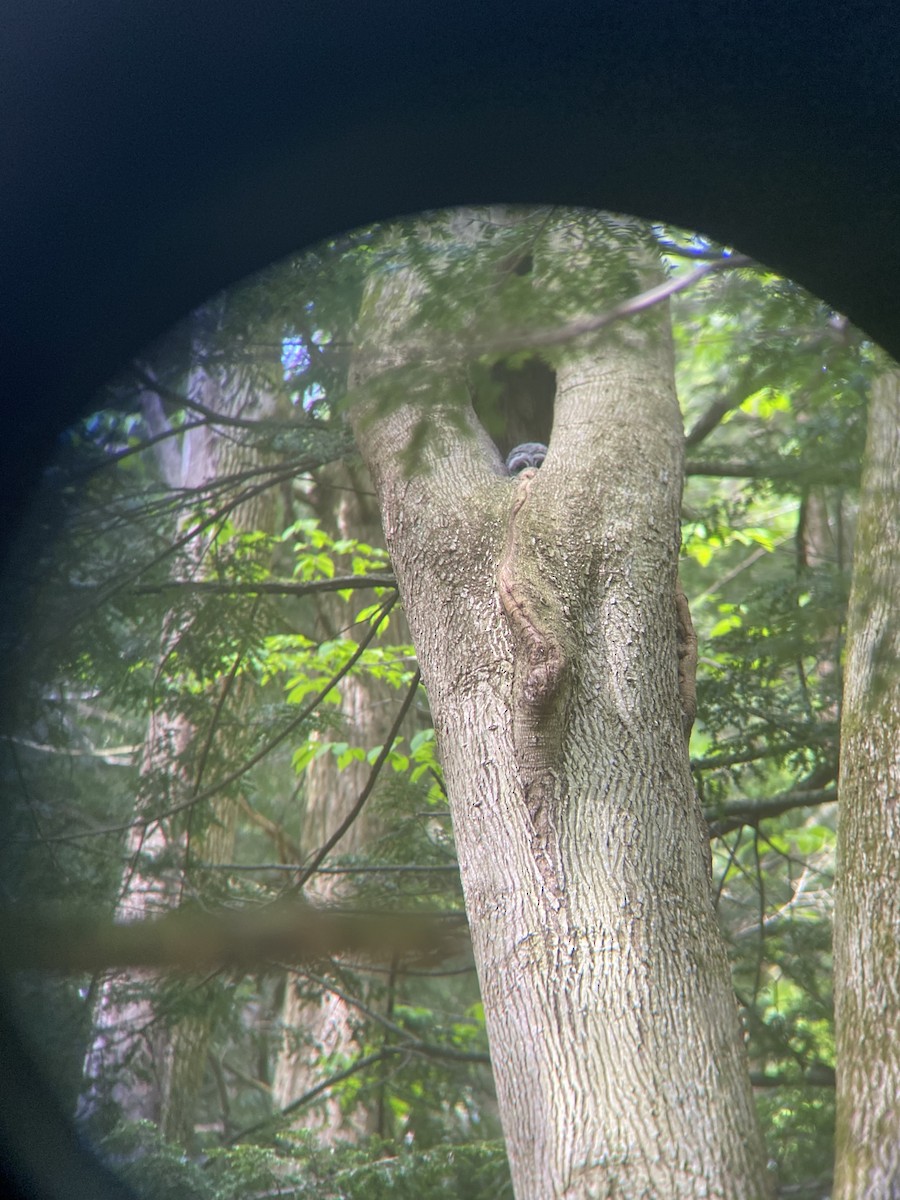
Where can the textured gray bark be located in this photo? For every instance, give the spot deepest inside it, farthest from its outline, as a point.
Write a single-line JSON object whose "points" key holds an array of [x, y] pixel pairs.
{"points": [[544, 615], [867, 917]]}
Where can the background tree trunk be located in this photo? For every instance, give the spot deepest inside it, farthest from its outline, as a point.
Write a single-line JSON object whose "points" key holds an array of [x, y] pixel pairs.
{"points": [[544, 617], [315, 1030], [867, 917], [149, 1065]]}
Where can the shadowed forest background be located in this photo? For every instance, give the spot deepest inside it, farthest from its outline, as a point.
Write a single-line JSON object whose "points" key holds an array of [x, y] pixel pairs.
{"points": [[220, 714]]}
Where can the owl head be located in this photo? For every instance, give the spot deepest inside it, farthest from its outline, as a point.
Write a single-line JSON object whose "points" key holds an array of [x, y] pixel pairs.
{"points": [[528, 454]]}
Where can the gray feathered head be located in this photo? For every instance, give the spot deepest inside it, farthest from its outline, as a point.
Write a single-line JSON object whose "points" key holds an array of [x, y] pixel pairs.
{"points": [[529, 454]]}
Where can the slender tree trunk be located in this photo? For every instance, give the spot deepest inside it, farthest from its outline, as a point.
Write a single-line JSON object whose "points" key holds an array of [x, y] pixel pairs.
{"points": [[543, 610], [150, 1067], [867, 917], [316, 1030]]}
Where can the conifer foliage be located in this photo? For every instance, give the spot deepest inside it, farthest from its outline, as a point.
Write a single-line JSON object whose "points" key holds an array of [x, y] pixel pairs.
{"points": [[223, 613]]}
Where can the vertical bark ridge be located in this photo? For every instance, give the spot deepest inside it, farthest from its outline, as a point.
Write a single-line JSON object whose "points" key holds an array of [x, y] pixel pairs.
{"points": [[867, 915]]}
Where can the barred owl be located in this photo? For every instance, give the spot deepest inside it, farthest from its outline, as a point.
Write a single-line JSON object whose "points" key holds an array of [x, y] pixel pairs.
{"points": [[528, 454]]}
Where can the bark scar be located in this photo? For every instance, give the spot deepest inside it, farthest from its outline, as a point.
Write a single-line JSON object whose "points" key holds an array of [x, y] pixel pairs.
{"points": [[543, 651], [540, 667], [687, 659]]}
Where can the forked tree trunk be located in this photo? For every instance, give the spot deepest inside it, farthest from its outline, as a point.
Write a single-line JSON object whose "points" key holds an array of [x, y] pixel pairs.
{"points": [[867, 916], [544, 616]]}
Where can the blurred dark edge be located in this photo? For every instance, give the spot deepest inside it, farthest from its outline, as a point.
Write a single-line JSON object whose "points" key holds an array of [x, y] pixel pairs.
{"points": [[154, 153], [41, 1156]]}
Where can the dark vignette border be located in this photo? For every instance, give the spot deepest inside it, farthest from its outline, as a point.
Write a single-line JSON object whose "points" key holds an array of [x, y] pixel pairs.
{"points": [[155, 152]]}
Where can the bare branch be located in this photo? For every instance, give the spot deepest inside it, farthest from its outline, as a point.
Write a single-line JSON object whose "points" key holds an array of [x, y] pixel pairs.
{"points": [[694, 252], [769, 750], [327, 846], [364, 869], [815, 1075], [307, 711], [285, 844], [192, 940], [168, 456], [712, 418], [537, 339], [211, 417], [750, 812], [407, 1040], [634, 305], [797, 472], [270, 1124], [275, 587]]}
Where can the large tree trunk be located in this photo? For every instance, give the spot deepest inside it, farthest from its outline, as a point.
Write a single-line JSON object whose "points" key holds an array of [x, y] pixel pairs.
{"points": [[543, 612], [867, 918]]}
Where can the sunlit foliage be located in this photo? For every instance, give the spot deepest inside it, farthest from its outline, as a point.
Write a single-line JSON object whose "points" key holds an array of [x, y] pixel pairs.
{"points": [[113, 621]]}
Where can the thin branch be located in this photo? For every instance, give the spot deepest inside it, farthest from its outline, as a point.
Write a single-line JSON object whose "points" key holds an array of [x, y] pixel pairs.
{"points": [[737, 813], [770, 750], [222, 1088], [634, 305], [275, 587], [218, 708], [719, 409], [227, 780], [693, 252], [109, 590], [273, 477], [761, 909], [113, 756], [408, 1046], [212, 729], [745, 564], [211, 417], [271, 1123], [537, 339], [325, 849], [732, 862], [294, 723], [284, 843], [243, 1077], [168, 456], [826, 876], [800, 473], [409, 1041], [815, 1075], [117, 456], [367, 869], [191, 940], [352, 1001]]}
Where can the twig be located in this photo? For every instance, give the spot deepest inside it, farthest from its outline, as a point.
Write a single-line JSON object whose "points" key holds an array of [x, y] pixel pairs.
{"points": [[276, 587], [327, 846], [227, 780], [751, 812]]}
